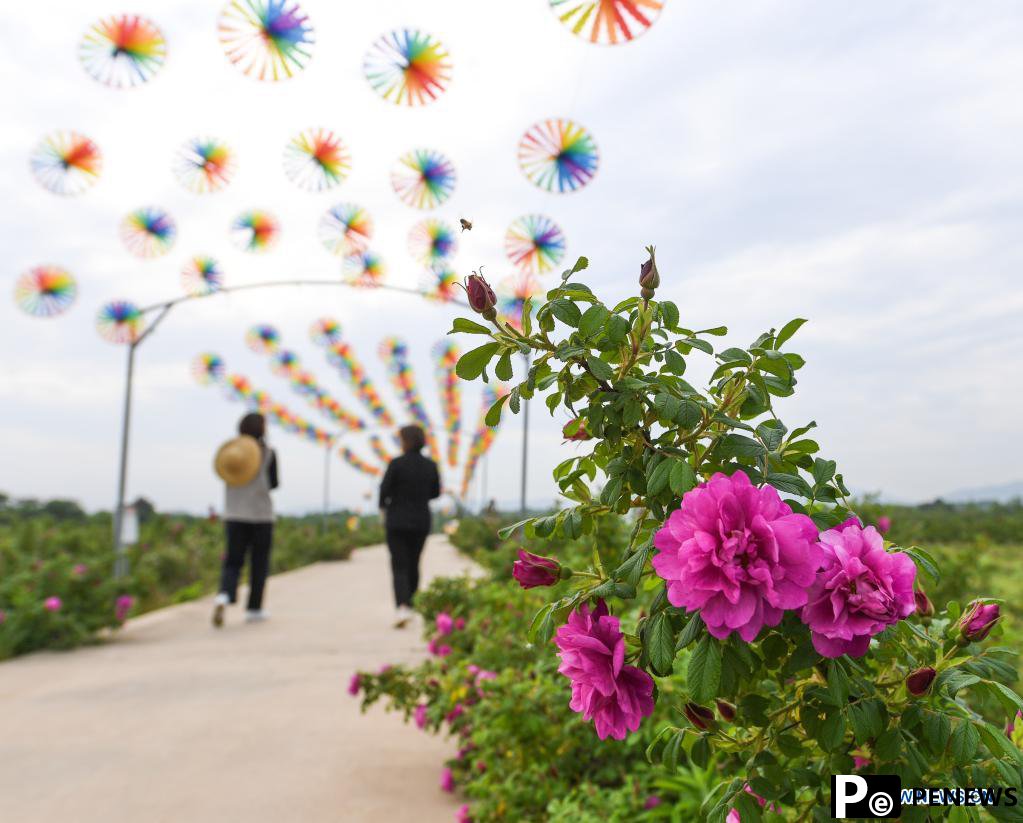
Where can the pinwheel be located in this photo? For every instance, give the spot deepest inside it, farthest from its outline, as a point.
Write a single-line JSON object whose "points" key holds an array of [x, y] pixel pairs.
{"points": [[45, 291], [123, 51], [204, 165], [202, 275], [364, 268], [408, 67], [394, 353], [377, 445], [255, 231], [483, 437], [263, 339], [447, 354], [266, 39], [432, 241], [441, 283], [325, 332], [208, 368], [534, 243], [148, 232], [239, 387], [558, 155], [512, 294], [607, 22], [345, 229], [66, 162], [284, 363], [343, 358], [119, 322], [357, 463], [423, 178], [305, 384], [316, 160]]}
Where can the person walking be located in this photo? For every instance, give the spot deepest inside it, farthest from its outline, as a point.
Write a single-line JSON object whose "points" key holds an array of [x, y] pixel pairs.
{"points": [[248, 468], [410, 483]]}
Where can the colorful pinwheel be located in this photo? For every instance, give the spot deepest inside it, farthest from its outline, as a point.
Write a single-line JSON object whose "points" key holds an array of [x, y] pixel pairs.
{"points": [[448, 385], [119, 322], [607, 22], [364, 268], [266, 39], [325, 332], [148, 232], [534, 243], [441, 283], [305, 384], [208, 368], [284, 363], [316, 160], [377, 445], [394, 353], [408, 66], [204, 165], [357, 463], [512, 294], [423, 178], [66, 162], [483, 437], [263, 339], [238, 387], [343, 358], [202, 275], [558, 155], [123, 51], [255, 231], [45, 291], [345, 229], [432, 241]]}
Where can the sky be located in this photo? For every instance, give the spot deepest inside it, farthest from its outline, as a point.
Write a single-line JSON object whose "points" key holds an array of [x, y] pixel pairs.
{"points": [[854, 164]]}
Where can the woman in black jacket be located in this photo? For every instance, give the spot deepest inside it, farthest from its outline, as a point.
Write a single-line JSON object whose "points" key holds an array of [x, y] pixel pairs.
{"points": [[410, 483]]}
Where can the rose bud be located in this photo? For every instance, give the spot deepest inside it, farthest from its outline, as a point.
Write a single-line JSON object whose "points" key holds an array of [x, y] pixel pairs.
{"points": [[978, 621], [699, 716], [532, 570], [884, 523], [481, 297], [726, 710], [649, 279], [920, 681], [924, 607], [580, 432]]}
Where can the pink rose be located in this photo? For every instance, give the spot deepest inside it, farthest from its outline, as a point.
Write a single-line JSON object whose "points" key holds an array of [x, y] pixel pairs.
{"points": [[978, 621], [79, 569], [533, 570], [884, 523], [462, 815], [420, 715], [355, 684], [122, 606], [459, 623], [444, 624], [447, 780], [53, 604]]}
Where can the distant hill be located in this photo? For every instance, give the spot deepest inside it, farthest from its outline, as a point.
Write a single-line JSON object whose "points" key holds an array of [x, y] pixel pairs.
{"points": [[1002, 493]]}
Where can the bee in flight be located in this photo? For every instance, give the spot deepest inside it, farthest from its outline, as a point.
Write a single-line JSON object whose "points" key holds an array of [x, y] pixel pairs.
{"points": [[466, 224]]}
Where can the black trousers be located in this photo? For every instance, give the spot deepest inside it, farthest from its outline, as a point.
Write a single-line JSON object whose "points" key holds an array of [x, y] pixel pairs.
{"points": [[254, 539], [406, 546]]}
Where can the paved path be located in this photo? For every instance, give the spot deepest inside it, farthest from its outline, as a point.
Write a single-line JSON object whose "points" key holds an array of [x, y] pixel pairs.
{"points": [[175, 722]]}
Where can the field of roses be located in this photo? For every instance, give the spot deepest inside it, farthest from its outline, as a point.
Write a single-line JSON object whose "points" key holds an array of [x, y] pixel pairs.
{"points": [[56, 568], [711, 628]]}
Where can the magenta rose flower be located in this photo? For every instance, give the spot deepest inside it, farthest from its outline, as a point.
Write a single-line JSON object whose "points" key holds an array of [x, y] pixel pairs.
{"points": [[615, 696], [533, 570], [860, 590], [737, 554], [420, 716], [445, 623], [735, 817], [79, 569], [978, 621], [459, 623], [53, 604], [652, 802], [447, 780], [355, 684], [884, 523], [122, 606], [462, 815], [860, 762]]}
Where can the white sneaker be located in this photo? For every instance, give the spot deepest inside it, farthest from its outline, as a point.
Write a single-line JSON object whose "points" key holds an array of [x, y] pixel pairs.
{"points": [[219, 603], [402, 617], [256, 616]]}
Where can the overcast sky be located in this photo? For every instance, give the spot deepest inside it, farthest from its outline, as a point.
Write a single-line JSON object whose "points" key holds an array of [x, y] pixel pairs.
{"points": [[855, 164]]}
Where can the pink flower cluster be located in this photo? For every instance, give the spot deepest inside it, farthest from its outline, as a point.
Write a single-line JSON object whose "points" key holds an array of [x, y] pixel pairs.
{"points": [[446, 625], [53, 604], [122, 606]]}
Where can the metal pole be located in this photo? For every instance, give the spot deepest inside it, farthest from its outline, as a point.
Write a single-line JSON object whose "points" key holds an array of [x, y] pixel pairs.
{"points": [[525, 447], [120, 560], [326, 484]]}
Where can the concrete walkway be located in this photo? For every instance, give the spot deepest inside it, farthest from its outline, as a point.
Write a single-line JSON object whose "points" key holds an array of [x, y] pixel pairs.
{"points": [[175, 722]]}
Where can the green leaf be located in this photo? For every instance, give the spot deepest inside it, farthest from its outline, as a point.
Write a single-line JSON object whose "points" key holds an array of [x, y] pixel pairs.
{"points": [[580, 264], [787, 331], [1010, 697], [832, 731], [672, 750], [682, 478], [838, 684], [700, 753], [601, 369], [823, 470], [696, 343], [924, 561], [741, 446], [789, 483], [660, 644], [889, 745], [466, 326], [617, 330], [703, 675], [632, 568], [954, 680], [494, 413], [669, 314], [503, 369], [472, 363], [965, 739], [667, 406], [566, 311], [657, 481], [593, 320], [693, 629], [538, 621]]}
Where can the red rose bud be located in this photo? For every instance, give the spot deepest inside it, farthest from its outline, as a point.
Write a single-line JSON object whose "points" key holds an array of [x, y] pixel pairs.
{"points": [[532, 570], [580, 432], [649, 279], [699, 716], [920, 681], [726, 710], [481, 297], [978, 621], [924, 607]]}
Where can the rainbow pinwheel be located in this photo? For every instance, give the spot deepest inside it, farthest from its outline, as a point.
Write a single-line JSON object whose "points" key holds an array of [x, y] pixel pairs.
{"points": [[284, 363], [239, 387], [534, 243], [441, 283], [119, 322], [148, 232], [342, 357], [558, 155], [607, 22], [305, 384], [483, 437], [432, 241], [255, 231], [512, 294], [345, 229], [266, 39], [357, 463], [123, 51], [448, 385], [325, 332], [263, 339], [66, 162], [45, 291], [394, 353], [316, 160], [208, 368], [423, 178], [377, 445], [408, 67], [202, 275], [364, 268], [204, 165]]}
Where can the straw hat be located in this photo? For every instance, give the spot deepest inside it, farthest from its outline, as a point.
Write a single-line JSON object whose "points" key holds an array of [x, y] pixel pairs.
{"points": [[237, 461]]}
